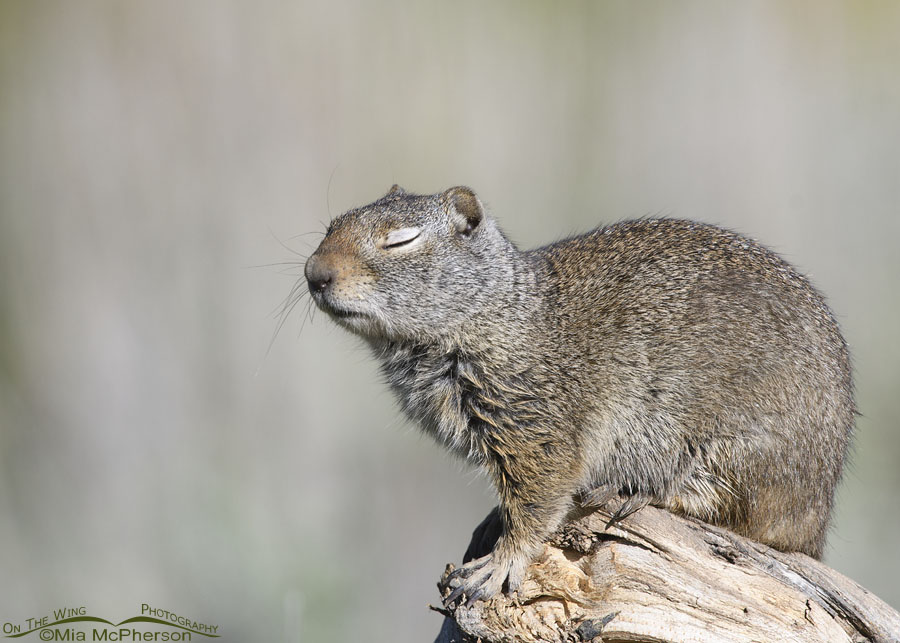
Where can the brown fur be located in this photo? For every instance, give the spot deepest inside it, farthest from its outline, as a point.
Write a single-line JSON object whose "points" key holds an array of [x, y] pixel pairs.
{"points": [[656, 360]]}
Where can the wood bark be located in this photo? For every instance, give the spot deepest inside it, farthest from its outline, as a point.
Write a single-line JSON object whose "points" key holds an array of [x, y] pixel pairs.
{"points": [[657, 577]]}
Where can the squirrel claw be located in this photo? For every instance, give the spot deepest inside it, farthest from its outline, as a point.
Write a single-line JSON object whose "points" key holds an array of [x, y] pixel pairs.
{"points": [[468, 569], [628, 507], [479, 579], [452, 596], [598, 496]]}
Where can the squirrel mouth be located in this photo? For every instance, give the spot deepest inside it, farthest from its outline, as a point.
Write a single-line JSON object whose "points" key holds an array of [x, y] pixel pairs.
{"points": [[337, 311], [345, 314]]}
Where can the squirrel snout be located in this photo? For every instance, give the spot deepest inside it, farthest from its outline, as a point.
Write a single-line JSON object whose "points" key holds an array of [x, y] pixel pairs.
{"points": [[319, 274]]}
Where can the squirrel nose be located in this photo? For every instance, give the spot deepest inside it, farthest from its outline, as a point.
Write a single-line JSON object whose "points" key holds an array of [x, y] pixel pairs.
{"points": [[319, 274]]}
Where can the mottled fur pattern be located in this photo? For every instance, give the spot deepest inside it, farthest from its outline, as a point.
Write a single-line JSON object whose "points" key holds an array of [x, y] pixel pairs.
{"points": [[656, 360]]}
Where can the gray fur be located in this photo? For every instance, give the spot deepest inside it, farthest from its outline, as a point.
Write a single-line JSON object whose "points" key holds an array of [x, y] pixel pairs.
{"points": [[656, 360]]}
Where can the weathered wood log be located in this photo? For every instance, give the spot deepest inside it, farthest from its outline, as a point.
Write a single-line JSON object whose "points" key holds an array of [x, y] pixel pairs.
{"points": [[657, 577]]}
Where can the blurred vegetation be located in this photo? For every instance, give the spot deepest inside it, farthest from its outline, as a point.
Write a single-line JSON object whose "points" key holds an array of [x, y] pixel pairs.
{"points": [[153, 153]]}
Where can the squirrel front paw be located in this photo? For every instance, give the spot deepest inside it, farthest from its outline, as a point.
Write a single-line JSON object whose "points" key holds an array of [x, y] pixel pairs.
{"points": [[484, 577]]}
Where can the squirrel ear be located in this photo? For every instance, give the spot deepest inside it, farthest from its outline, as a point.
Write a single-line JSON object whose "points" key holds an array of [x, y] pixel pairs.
{"points": [[467, 211], [395, 189]]}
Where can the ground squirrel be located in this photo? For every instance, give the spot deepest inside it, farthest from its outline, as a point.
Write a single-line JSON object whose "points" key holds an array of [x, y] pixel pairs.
{"points": [[653, 361]]}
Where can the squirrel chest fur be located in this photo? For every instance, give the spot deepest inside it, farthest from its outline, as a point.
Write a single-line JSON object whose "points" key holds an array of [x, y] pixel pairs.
{"points": [[652, 361]]}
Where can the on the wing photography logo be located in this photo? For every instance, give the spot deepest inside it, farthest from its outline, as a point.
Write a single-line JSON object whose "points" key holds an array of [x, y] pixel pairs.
{"points": [[75, 624]]}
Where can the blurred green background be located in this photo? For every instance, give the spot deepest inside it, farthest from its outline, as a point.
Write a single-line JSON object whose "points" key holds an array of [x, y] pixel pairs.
{"points": [[152, 153]]}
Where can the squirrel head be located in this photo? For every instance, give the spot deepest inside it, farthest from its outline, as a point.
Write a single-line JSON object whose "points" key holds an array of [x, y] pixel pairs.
{"points": [[411, 266]]}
